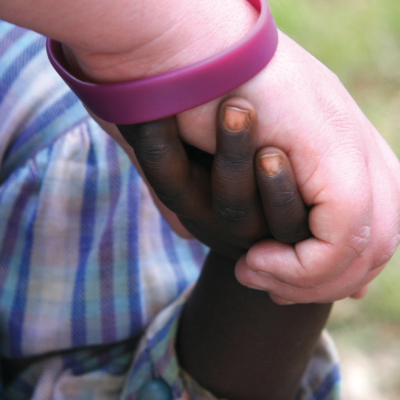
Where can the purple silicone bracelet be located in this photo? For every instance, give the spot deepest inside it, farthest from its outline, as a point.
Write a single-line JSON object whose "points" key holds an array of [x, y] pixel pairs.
{"points": [[181, 89]]}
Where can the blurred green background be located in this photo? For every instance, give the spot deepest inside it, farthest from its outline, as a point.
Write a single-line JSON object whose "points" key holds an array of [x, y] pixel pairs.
{"points": [[360, 41]]}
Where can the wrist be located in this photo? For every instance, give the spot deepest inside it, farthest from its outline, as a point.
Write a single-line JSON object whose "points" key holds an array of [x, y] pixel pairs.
{"points": [[183, 88], [191, 31]]}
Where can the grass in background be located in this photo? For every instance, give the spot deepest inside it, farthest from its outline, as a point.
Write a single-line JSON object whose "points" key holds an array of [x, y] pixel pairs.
{"points": [[359, 40]]}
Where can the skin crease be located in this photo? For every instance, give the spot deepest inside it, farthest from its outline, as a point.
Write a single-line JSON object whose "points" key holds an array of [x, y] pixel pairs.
{"points": [[345, 170]]}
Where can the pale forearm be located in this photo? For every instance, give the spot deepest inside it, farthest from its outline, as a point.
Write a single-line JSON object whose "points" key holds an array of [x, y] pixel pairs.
{"points": [[124, 39]]}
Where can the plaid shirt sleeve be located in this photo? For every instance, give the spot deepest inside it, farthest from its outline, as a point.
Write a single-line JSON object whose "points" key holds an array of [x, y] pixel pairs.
{"points": [[88, 267]]}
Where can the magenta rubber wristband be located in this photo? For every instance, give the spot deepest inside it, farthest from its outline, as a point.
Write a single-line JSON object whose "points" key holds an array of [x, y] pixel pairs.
{"points": [[181, 89]]}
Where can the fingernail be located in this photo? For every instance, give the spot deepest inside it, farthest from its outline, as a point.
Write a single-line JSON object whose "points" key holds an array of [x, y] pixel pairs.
{"points": [[279, 301], [271, 164], [236, 119], [282, 302], [264, 274], [253, 287]]}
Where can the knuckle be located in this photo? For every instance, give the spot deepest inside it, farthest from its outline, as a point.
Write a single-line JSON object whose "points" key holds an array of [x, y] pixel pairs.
{"points": [[386, 252], [282, 199], [337, 115], [358, 243], [151, 150], [289, 223], [231, 215], [331, 99], [176, 201], [156, 160], [311, 276], [307, 282], [233, 161], [292, 236]]}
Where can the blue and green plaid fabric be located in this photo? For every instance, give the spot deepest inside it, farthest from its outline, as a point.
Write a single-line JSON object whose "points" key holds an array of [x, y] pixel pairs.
{"points": [[86, 260]]}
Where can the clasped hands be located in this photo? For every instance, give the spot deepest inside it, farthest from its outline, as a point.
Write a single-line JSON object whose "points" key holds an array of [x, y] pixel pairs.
{"points": [[230, 200], [346, 174], [243, 203]]}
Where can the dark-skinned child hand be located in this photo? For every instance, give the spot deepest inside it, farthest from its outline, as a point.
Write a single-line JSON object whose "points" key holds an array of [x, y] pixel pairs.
{"points": [[233, 340]]}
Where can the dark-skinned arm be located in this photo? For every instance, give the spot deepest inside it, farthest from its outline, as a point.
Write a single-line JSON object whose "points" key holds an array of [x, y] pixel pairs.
{"points": [[235, 341]]}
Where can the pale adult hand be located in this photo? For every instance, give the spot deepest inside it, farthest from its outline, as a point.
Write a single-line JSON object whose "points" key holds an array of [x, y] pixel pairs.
{"points": [[346, 173]]}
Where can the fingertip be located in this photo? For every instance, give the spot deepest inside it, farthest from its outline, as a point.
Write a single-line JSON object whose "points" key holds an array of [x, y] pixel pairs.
{"points": [[235, 119], [240, 270], [244, 275], [361, 293], [271, 164], [284, 209], [279, 301], [237, 115], [271, 151]]}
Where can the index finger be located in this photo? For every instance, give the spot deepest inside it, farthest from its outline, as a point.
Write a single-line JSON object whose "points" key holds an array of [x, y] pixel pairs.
{"points": [[283, 206], [235, 197]]}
